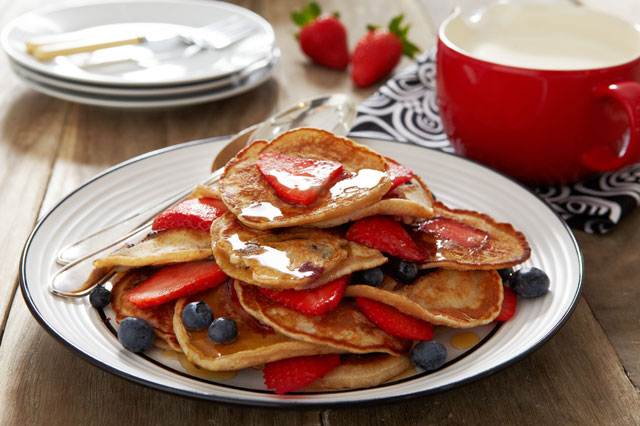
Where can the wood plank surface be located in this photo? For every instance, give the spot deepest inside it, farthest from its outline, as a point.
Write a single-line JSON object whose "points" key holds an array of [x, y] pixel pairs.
{"points": [[588, 374]]}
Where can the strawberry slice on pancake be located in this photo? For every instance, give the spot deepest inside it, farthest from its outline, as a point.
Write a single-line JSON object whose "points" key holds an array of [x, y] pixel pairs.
{"points": [[194, 213], [385, 234], [294, 373], [176, 281], [298, 180], [393, 321], [466, 236], [316, 301]]}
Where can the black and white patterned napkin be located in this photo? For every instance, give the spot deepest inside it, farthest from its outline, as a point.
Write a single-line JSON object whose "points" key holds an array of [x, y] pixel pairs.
{"points": [[405, 110]]}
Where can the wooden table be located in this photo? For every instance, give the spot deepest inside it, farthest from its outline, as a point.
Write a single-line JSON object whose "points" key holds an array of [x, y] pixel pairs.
{"points": [[587, 374]]}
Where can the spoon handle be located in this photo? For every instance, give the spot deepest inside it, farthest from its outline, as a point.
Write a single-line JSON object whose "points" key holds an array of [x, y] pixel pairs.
{"points": [[112, 234]]}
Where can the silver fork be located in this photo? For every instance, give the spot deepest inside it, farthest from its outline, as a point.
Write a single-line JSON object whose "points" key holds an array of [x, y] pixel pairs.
{"points": [[215, 36]]}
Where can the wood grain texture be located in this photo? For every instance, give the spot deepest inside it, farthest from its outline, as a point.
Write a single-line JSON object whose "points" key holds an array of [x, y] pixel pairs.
{"points": [[584, 375]]}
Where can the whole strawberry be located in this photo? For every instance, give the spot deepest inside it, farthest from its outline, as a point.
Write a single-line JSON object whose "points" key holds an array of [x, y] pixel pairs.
{"points": [[379, 51], [322, 38]]}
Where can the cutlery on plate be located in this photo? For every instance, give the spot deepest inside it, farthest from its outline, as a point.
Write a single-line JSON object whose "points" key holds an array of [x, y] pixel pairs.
{"points": [[335, 113], [215, 36]]}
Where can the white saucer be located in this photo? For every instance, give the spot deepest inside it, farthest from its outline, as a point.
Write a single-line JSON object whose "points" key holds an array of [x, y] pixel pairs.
{"points": [[146, 91], [140, 16], [241, 85]]}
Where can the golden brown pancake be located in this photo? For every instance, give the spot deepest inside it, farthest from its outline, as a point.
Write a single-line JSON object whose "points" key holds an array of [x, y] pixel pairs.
{"points": [[209, 191], [362, 371], [459, 299], [159, 317], [297, 258], [256, 343], [159, 248], [252, 199], [411, 200], [503, 246], [344, 328]]}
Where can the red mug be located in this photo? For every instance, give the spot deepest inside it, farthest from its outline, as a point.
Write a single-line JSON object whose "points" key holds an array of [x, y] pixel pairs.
{"points": [[545, 93]]}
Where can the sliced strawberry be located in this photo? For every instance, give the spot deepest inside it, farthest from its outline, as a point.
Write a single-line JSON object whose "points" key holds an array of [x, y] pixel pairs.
{"points": [[294, 373], [175, 281], [387, 235], [393, 321], [194, 213], [298, 180], [457, 232], [508, 305], [316, 301], [399, 174]]}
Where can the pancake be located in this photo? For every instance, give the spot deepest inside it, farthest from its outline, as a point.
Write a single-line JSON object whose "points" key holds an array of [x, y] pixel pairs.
{"points": [[502, 247], [159, 317], [291, 258], [209, 191], [252, 199], [411, 200], [362, 371], [256, 344], [159, 248], [344, 328], [459, 299]]}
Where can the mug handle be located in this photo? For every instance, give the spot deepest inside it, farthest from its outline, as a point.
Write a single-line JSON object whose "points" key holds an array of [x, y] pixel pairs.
{"points": [[603, 158]]}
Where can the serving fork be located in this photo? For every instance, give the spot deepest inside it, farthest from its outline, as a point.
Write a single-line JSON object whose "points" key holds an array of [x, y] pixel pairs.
{"points": [[215, 36]]}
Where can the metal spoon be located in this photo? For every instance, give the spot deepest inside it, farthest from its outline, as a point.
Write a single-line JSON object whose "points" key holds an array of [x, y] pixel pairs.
{"points": [[335, 113]]}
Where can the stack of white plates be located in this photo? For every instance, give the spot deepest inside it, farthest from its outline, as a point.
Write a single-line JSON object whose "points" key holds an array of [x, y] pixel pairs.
{"points": [[142, 76]]}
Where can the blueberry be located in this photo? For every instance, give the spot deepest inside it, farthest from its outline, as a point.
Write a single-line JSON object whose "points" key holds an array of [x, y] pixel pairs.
{"points": [[197, 316], [223, 330], [371, 276], [429, 355], [529, 282], [405, 271], [505, 274], [100, 297], [135, 334]]}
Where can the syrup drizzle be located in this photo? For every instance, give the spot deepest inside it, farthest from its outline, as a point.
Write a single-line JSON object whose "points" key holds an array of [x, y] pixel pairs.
{"points": [[268, 257], [362, 179], [262, 210]]}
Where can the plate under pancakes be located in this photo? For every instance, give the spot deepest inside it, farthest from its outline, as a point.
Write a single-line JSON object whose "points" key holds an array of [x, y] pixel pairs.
{"points": [[297, 258], [459, 299], [256, 204]]}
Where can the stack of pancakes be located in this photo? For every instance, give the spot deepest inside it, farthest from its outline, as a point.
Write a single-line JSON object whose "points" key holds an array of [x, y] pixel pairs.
{"points": [[263, 241]]}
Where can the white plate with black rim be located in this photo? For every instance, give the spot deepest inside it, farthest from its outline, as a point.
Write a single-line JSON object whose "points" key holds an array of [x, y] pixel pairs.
{"points": [[138, 65], [141, 181]]}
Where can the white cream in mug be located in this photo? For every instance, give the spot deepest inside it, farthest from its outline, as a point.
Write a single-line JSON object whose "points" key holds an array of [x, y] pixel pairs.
{"points": [[543, 36]]}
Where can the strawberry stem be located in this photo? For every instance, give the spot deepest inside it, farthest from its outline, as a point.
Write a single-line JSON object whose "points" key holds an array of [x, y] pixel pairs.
{"points": [[307, 14], [408, 48]]}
